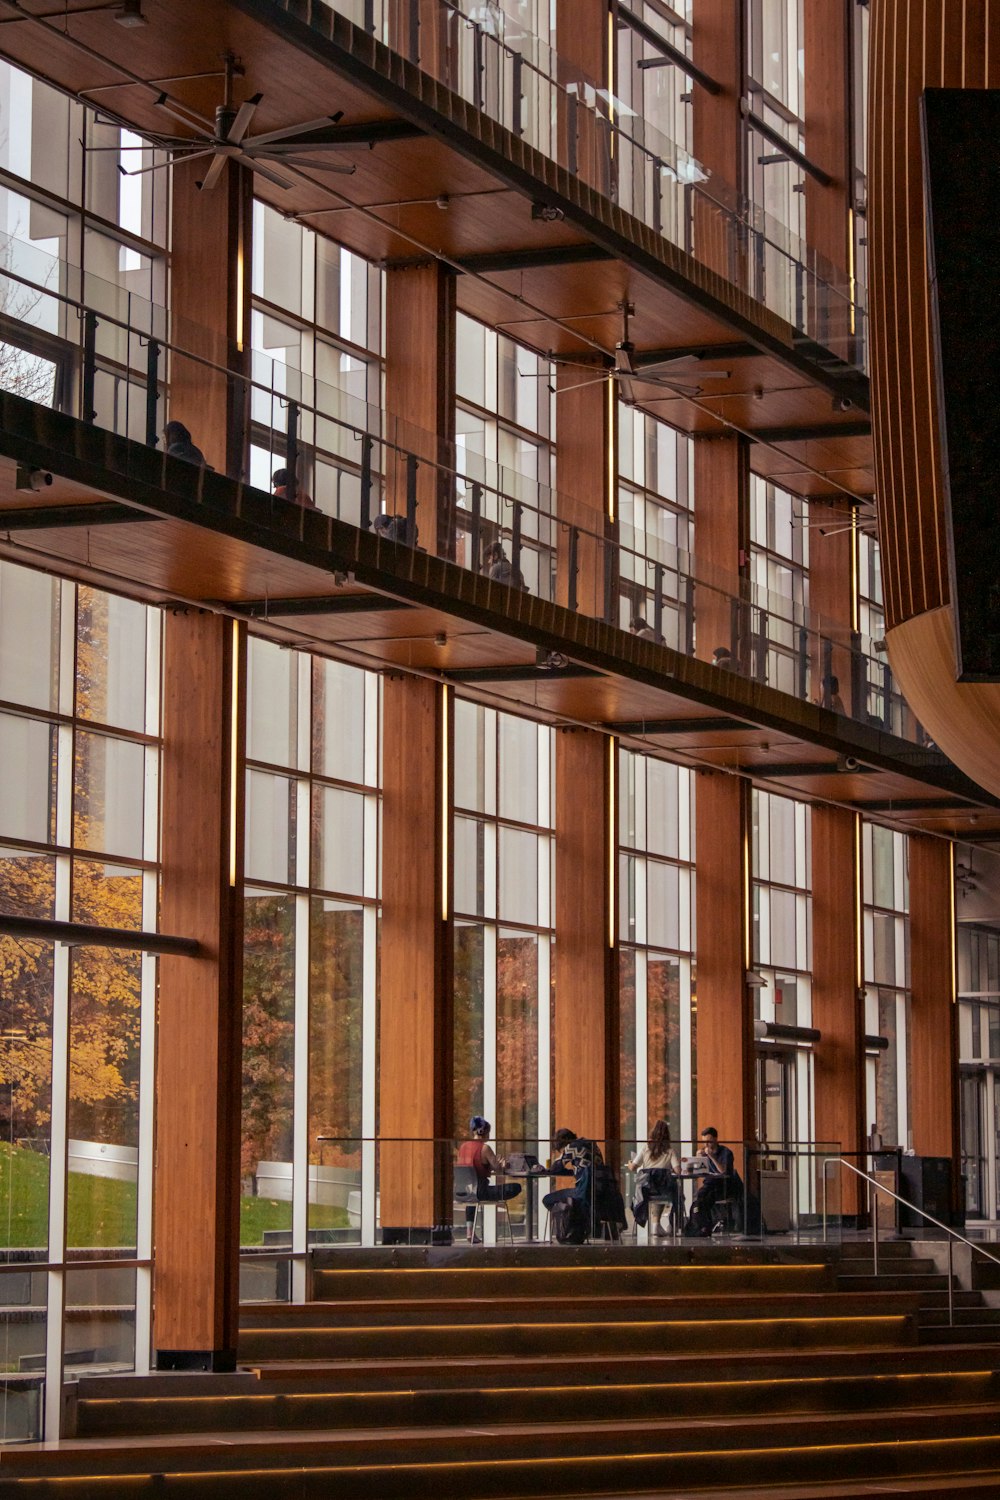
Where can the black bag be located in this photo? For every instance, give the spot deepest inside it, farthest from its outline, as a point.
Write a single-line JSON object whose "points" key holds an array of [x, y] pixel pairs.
{"points": [[569, 1222]]}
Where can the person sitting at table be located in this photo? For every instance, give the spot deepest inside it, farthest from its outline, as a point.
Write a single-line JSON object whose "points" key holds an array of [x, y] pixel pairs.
{"points": [[721, 1180], [655, 1165], [573, 1156], [480, 1156]]}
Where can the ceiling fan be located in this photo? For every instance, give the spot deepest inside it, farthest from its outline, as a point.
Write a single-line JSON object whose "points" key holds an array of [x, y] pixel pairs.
{"points": [[631, 366], [229, 140]]}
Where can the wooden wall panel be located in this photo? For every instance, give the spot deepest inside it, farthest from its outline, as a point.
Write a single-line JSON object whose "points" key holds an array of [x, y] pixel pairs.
{"points": [[725, 1017], [827, 32], [420, 390], [914, 44], [837, 999], [210, 267], [414, 997], [585, 417], [199, 1036], [933, 1011], [718, 47], [831, 596], [585, 1022]]}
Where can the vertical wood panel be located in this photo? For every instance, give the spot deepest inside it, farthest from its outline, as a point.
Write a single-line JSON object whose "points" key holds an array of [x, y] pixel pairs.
{"points": [[585, 1013], [414, 999], [210, 261], [198, 1062], [933, 1024], [721, 526], [828, 127], [420, 390], [837, 1002], [724, 1017], [718, 47]]}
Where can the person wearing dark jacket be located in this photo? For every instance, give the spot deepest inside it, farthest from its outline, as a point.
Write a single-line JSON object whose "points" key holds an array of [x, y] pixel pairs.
{"points": [[498, 566], [179, 444]]}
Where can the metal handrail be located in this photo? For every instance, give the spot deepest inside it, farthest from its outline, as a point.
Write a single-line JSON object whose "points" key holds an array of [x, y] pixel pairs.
{"points": [[953, 1235]]}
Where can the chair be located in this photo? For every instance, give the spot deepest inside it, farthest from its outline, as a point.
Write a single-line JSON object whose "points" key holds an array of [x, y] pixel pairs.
{"points": [[465, 1190]]}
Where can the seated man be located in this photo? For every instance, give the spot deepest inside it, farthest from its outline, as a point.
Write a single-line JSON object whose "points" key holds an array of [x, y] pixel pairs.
{"points": [[721, 1180]]}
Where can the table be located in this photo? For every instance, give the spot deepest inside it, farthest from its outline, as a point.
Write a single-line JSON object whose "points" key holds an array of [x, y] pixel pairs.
{"points": [[530, 1207]]}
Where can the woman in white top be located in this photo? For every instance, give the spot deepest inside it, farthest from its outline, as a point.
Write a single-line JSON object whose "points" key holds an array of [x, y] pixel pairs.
{"points": [[655, 1166]]}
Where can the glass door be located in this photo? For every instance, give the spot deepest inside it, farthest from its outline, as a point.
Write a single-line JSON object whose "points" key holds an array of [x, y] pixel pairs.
{"points": [[973, 1102]]}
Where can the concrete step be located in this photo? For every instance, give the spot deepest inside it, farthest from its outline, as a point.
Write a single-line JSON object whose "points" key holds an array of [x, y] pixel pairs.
{"points": [[281, 1341], [563, 1458], [559, 1280], [604, 1308], [249, 1404]]}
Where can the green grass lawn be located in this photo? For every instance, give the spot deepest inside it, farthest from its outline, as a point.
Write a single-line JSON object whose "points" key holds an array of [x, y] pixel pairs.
{"points": [[101, 1211]]}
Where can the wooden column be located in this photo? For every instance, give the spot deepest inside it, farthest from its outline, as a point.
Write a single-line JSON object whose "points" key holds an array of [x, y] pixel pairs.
{"points": [[933, 1021], [725, 1056], [420, 393], [718, 47], [583, 43], [199, 1032], [198, 1052], [586, 418], [828, 134], [837, 993], [721, 486], [585, 1030], [210, 265], [415, 989]]}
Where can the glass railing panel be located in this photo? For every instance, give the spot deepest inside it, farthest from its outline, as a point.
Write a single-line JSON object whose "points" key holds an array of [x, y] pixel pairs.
{"points": [[23, 1313], [100, 1319]]}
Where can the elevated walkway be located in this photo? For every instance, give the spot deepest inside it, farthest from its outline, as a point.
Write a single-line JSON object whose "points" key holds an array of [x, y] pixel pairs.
{"points": [[683, 1371]]}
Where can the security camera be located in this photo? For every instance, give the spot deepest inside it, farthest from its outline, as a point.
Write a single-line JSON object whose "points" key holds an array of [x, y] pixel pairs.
{"points": [[33, 479]]}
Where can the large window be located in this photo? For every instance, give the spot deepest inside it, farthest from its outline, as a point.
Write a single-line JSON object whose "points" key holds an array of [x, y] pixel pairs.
{"points": [[503, 852], [79, 726], [317, 340], [656, 938], [656, 517], [505, 427], [75, 223], [776, 182], [887, 1000], [776, 641], [312, 887]]}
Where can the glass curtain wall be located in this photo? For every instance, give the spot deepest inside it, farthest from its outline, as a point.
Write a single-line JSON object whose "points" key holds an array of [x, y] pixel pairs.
{"points": [[505, 430], [776, 642], [859, 211], [316, 334], [887, 999], [656, 526], [79, 727], [979, 1063], [656, 947], [72, 225], [655, 99], [309, 1009], [885, 704], [775, 182], [781, 868], [503, 926]]}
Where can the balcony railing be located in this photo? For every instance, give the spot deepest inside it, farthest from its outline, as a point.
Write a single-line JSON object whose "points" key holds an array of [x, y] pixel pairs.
{"points": [[519, 80], [118, 358]]}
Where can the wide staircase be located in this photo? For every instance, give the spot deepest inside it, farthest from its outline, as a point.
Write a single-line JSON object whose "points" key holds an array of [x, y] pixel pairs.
{"points": [[530, 1373]]}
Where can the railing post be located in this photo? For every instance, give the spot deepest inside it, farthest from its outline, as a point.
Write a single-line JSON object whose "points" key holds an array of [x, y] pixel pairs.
{"points": [[365, 518], [658, 572], [292, 451], [369, 17], [572, 132], [873, 1211], [688, 218], [477, 66], [152, 390], [800, 305], [474, 534], [89, 411], [411, 498], [803, 663], [951, 1283], [859, 679], [517, 98], [515, 539], [657, 204], [572, 568], [886, 696], [610, 577], [689, 616], [414, 38]]}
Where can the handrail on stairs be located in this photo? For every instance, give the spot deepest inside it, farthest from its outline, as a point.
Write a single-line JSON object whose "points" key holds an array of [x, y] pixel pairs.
{"points": [[875, 1186]]}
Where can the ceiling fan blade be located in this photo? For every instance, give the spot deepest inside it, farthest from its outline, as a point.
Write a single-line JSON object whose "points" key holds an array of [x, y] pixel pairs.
{"points": [[190, 118], [160, 165], [292, 130], [302, 161], [283, 182], [244, 115], [214, 172]]}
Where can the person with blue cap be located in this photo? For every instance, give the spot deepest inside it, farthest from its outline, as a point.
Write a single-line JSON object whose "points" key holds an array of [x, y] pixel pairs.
{"points": [[480, 1156]]}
